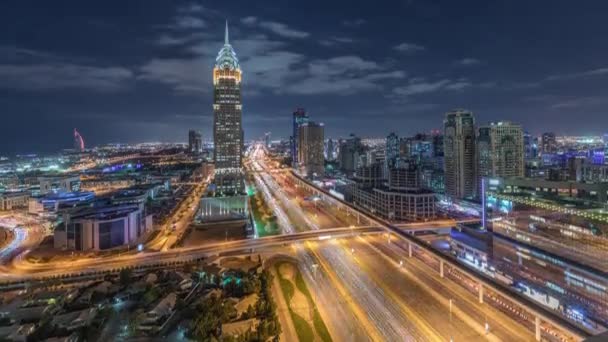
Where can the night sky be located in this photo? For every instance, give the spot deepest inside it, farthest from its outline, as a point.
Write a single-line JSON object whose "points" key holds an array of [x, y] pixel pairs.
{"points": [[132, 71]]}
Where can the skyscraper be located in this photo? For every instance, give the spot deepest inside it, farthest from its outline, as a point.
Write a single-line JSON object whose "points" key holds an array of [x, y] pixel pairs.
{"points": [[530, 146], [78, 141], [195, 141], [507, 141], [329, 154], [484, 157], [549, 143], [227, 121], [299, 117], [310, 149], [267, 139], [459, 154], [392, 150]]}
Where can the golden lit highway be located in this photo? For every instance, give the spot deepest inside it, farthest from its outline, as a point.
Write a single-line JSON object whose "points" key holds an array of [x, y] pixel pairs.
{"points": [[390, 295]]}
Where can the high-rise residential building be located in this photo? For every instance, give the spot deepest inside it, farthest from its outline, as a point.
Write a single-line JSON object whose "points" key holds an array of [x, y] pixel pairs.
{"points": [[459, 154], [549, 143], [195, 141], [392, 150], [299, 117], [507, 149], [310, 149], [227, 123], [350, 151], [500, 151], [484, 156]]}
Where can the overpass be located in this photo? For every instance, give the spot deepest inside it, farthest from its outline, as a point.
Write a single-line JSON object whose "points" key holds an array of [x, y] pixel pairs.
{"points": [[15, 278], [448, 263]]}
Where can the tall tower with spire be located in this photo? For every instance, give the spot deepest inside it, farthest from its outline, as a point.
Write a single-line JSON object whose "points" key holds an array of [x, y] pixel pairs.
{"points": [[227, 122]]}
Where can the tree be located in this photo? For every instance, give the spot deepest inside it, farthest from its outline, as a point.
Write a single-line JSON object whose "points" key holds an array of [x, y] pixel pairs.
{"points": [[125, 276]]}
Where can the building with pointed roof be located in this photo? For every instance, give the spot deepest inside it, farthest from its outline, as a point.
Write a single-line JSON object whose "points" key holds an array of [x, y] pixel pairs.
{"points": [[227, 122]]}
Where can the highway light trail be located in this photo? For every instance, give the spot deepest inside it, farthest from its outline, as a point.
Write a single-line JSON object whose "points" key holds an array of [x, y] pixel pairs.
{"points": [[20, 235]]}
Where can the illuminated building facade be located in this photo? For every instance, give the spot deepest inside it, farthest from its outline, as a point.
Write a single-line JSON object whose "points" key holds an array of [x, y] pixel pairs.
{"points": [[392, 150], [459, 154], [565, 218], [311, 144], [195, 141], [78, 141], [299, 117], [549, 143], [227, 123]]}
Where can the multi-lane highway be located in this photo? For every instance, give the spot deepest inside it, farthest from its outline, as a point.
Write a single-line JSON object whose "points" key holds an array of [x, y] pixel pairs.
{"points": [[389, 301]]}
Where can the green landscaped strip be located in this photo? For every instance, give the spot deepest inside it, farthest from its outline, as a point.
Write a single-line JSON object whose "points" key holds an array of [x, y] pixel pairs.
{"points": [[303, 329], [320, 327], [288, 292]]}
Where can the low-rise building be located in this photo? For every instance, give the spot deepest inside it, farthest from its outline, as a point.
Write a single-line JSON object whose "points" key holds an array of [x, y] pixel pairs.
{"points": [[102, 228], [14, 200], [59, 183]]}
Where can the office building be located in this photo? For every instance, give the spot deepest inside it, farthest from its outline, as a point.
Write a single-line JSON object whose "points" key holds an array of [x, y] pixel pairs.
{"points": [[459, 154], [437, 140], [195, 142], [227, 122], [299, 117], [311, 159], [102, 228], [267, 139], [549, 143], [392, 150], [530, 146], [349, 154]]}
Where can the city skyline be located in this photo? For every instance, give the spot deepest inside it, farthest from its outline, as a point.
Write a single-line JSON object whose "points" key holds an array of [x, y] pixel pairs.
{"points": [[151, 82]]}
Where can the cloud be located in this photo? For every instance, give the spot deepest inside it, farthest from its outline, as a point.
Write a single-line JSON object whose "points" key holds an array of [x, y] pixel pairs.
{"points": [[191, 8], [353, 23], [342, 75], [417, 87], [249, 20], [570, 102], [283, 30], [583, 74], [189, 22], [57, 76], [183, 75], [467, 61], [333, 41], [275, 27], [409, 48]]}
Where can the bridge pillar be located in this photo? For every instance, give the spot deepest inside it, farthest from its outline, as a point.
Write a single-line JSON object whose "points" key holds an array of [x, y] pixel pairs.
{"points": [[480, 293], [537, 328], [358, 218], [441, 268], [409, 250]]}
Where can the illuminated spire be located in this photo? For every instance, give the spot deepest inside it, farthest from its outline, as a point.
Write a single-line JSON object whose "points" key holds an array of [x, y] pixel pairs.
{"points": [[226, 58], [226, 34]]}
